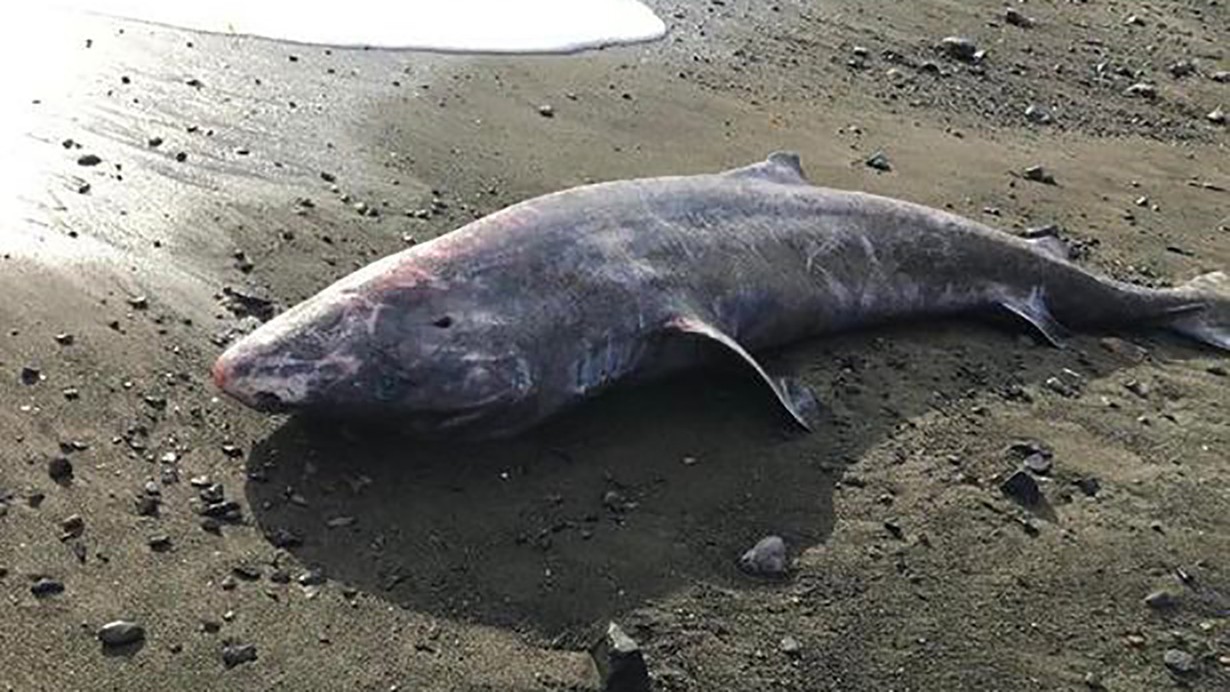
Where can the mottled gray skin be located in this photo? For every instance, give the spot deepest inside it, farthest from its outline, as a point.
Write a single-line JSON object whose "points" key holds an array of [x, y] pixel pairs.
{"points": [[492, 328]]}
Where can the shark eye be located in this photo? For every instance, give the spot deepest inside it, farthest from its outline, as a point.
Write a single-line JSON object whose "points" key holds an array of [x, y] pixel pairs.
{"points": [[443, 322]]}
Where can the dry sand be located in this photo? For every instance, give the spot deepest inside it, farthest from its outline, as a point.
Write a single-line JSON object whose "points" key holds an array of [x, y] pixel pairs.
{"points": [[430, 567]]}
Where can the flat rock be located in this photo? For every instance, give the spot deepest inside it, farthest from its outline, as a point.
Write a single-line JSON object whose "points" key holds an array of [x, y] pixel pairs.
{"points": [[236, 654], [120, 633], [1022, 487]]}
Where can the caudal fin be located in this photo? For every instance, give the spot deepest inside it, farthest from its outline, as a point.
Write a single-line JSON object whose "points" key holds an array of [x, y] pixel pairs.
{"points": [[1209, 322]]}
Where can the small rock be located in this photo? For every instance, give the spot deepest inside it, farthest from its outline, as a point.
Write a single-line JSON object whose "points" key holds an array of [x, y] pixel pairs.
{"points": [[1040, 115], [1134, 20], [73, 526], [120, 633], [765, 559], [879, 161], [159, 543], [1138, 388], [88, 160], [959, 48], [30, 375], [1162, 600], [790, 646], [1142, 90], [60, 469], [1217, 116], [1038, 463], [154, 142], [1022, 487], [1017, 19], [1038, 174], [328, 177], [1050, 230], [312, 577], [1182, 68], [546, 110], [46, 586], [620, 662], [1090, 485], [236, 654], [138, 302], [1221, 76], [1179, 662]]}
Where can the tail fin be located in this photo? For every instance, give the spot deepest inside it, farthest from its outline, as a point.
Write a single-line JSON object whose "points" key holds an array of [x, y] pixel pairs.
{"points": [[1210, 323]]}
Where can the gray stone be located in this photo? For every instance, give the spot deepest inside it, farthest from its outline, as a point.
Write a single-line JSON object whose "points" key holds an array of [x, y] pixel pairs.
{"points": [[1179, 662], [765, 559], [236, 654], [120, 633], [1162, 599], [879, 161], [620, 662], [1022, 487], [959, 48]]}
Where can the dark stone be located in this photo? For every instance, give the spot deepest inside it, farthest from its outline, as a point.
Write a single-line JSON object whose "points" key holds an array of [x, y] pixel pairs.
{"points": [[60, 469], [1038, 174], [88, 160], [879, 161], [46, 586], [1022, 487], [30, 375], [160, 543], [120, 633], [1162, 600], [621, 664], [235, 654], [1090, 486], [247, 572], [959, 48]]}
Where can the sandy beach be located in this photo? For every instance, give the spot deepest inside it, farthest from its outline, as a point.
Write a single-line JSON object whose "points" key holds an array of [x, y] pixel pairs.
{"points": [[164, 191]]}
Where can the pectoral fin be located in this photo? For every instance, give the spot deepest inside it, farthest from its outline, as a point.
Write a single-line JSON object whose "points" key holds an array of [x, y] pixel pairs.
{"points": [[798, 399], [1032, 308]]}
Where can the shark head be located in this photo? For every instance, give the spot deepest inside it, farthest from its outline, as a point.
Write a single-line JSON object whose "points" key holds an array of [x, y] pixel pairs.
{"points": [[387, 341]]}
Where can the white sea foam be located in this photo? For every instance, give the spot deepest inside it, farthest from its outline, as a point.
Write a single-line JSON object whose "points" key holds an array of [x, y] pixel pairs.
{"points": [[499, 26]]}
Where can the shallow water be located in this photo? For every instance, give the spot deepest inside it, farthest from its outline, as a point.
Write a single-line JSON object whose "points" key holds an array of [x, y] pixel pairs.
{"points": [[505, 26]]}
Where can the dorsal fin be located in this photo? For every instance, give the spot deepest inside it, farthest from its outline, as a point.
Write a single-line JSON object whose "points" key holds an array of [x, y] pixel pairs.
{"points": [[781, 167]]}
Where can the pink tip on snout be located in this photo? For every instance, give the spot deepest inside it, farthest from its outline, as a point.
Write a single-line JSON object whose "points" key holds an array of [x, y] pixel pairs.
{"points": [[219, 373]]}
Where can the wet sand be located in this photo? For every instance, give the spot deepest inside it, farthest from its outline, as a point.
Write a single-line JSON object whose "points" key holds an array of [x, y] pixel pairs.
{"points": [[249, 166]]}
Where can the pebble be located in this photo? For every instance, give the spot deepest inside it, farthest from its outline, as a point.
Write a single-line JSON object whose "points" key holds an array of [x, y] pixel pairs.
{"points": [[1161, 600], [1217, 117], [1017, 19], [88, 160], [1038, 114], [1022, 487], [159, 543], [1038, 463], [46, 586], [879, 161], [1179, 662], [30, 375], [1090, 485], [72, 525], [120, 633], [546, 110], [1138, 388], [960, 48], [790, 646], [60, 469], [1142, 89], [1038, 174], [765, 559], [1221, 77], [620, 662], [236, 654]]}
